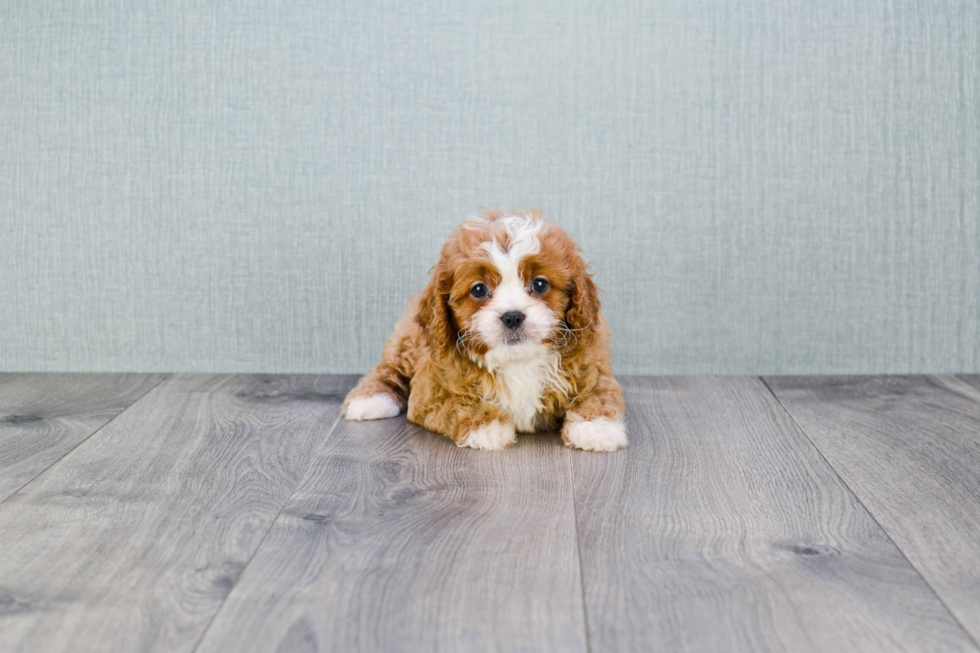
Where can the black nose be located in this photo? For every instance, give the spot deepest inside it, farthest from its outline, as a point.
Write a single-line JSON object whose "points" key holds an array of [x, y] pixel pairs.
{"points": [[512, 319]]}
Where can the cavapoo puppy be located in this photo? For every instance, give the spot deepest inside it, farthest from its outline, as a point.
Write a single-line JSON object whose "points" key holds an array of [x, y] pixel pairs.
{"points": [[507, 337]]}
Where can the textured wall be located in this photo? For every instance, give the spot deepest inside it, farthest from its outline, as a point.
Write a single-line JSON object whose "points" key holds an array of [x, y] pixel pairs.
{"points": [[762, 187]]}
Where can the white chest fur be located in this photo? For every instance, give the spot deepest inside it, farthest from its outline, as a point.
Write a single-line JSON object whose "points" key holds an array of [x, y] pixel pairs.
{"points": [[522, 383]]}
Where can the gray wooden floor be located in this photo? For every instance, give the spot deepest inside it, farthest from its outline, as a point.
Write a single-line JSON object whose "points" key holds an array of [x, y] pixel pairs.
{"points": [[240, 513]]}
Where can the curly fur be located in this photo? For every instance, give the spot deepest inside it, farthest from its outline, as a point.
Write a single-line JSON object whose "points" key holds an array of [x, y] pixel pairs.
{"points": [[446, 361]]}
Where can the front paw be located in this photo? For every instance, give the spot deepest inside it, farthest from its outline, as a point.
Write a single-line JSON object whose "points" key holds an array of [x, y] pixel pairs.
{"points": [[601, 434], [377, 406], [490, 437]]}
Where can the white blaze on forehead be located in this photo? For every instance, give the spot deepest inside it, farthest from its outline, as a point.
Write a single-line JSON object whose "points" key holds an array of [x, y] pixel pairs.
{"points": [[523, 234]]}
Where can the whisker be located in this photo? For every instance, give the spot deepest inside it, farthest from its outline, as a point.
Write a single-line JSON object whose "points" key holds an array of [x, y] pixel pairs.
{"points": [[563, 335], [565, 326], [464, 338]]}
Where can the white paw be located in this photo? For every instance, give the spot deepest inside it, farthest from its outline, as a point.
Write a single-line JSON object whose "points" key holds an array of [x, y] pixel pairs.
{"points": [[601, 434], [492, 437], [374, 407]]}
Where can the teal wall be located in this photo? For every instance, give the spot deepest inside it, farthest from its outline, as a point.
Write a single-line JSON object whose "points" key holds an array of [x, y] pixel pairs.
{"points": [[761, 187]]}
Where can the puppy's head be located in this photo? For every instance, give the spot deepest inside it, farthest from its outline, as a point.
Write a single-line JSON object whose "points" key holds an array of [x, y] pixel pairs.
{"points": [[507, 285]]}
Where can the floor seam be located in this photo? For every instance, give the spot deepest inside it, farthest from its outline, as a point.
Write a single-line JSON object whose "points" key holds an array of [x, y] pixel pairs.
{"points": [[578, 550], [88, 437], [918, 572], [272, 524]]}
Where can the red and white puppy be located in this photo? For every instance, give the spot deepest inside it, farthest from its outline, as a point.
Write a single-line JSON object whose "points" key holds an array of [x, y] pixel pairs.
{"points": [[507, 337]]}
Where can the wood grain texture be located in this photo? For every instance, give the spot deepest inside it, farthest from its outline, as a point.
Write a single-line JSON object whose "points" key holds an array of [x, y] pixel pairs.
{"points": [[399, 541], [909, 448], [44, 416], [722, 528], [133, 540]]}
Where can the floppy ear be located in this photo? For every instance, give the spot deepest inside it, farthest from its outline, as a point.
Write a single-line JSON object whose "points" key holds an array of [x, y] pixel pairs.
{"points": [[582, 315], [435, 315]]}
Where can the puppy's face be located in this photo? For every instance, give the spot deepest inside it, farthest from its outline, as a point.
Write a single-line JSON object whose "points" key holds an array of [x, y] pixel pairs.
{"points": [[505, 286]]}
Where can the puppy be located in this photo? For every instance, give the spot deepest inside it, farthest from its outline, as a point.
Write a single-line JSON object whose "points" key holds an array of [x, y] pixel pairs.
{"points": [[507, 337]]}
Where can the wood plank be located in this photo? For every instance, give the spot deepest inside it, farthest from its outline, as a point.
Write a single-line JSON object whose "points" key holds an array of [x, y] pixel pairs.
{"points": [[721, 528], [909, 448], [133, 540], [397, 540], [44, 416]]}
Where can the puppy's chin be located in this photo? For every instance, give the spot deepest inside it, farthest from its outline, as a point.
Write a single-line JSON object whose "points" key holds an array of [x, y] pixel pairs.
{"points": [[504, 353]]}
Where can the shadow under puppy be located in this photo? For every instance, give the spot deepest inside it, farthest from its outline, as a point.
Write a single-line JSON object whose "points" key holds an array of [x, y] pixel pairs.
{"points": [[507, 337]]}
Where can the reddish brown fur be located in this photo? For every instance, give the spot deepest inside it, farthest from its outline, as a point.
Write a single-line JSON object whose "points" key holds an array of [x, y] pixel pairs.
{"points": [[424, 368]]}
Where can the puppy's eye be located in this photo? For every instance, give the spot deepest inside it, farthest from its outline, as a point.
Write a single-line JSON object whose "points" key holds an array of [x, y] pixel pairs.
{"points": [[539, 285], [479, 291]]}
